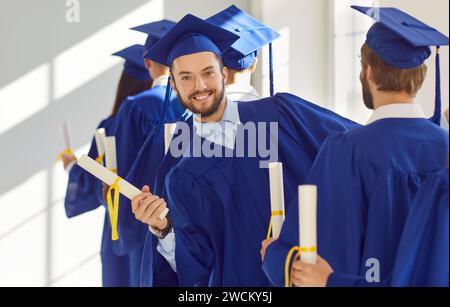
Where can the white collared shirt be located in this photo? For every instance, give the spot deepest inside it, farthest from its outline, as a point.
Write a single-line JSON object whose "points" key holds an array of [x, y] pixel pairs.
{"points": [[160, 81], [241, 92], [222, 133], [397, 110]]}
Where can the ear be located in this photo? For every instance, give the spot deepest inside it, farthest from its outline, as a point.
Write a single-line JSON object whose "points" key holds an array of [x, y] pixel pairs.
{"points": [[254, 65], [172, 83], [225, 74], [369, 73], [147, 63]]}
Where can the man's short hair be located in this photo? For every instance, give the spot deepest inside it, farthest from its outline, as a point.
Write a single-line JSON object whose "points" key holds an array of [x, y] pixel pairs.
{"points": [[391, 79]]}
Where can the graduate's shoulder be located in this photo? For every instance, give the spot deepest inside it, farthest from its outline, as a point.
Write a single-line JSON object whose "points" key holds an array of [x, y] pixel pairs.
{"points": [[400, 145], [393, 130], [262, 110], [156, 94], [106, 123], [150, 102]]}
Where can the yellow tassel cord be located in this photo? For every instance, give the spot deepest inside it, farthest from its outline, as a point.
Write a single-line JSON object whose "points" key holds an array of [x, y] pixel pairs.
{"points": [[65, 152], [100, 159], [274, 213], [299, 250], [113, 208]]}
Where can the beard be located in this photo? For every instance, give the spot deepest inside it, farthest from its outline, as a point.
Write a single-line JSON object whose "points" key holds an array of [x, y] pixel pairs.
{"points": [[217, 94], [367, 95]]}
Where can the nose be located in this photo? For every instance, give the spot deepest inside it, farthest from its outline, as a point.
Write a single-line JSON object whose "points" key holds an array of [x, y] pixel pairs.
{"points": [[200, 84]]}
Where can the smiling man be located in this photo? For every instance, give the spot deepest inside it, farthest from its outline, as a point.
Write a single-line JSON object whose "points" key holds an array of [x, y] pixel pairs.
{"points": [[219, 204]]}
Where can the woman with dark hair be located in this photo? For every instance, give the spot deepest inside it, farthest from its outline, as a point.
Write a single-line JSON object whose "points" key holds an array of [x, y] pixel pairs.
{"points": [[84, 192]]}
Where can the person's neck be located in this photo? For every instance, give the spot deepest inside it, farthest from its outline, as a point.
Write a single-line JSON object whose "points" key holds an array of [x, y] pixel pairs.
{"points": [[217, 116], [239, 77], [381, 99]]}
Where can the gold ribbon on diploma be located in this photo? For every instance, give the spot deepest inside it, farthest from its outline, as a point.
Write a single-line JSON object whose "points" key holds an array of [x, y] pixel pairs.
{"points": [[113, 208], [274, 213], [299, 250], [65, 152], [99, 159]]}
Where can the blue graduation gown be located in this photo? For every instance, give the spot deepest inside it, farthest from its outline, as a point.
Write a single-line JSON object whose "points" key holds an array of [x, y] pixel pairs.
{"points": [[84, 194], [83, 190], [422, 258], [155, 271], [138, 118], [367, 179], [220, 207], [115, 269]]}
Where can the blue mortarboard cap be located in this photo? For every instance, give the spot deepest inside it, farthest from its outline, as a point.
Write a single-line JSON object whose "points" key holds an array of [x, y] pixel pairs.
{"points": [[400, 39], [404, 42], [191, 35], [134, 62], [253, 36], [155, 31]]}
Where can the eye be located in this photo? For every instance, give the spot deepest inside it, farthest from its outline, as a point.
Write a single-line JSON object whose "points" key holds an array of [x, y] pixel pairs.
{"points": [[209, 73], [185, 78]]}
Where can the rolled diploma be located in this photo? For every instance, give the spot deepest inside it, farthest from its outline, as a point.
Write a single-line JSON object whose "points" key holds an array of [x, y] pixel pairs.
{"points": [[169, 130], [65, 135], [276, 197], [110, 153], [307, 198], [108, 177], [100, 137]]}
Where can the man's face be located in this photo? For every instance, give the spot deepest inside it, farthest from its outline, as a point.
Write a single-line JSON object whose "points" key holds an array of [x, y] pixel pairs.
{"points": [[367, 94], [200, 82]]}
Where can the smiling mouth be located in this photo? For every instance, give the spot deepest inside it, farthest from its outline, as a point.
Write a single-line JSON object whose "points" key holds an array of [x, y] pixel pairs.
{"points": [[202, 97]]}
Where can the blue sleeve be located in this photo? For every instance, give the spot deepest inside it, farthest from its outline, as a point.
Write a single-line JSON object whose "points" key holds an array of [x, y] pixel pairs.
{"points": [[130, 134], [83, 190], [276, 253], [274, 262], [193, 252], [129, 130], [308, 123]]}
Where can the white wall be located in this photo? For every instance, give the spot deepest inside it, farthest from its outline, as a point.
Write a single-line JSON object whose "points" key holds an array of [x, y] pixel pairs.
{"points": [[301, 55]]}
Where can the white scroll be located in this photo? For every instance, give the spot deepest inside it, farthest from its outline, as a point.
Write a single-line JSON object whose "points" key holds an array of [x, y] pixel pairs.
{"points": [[65, 135], [169, 130], [307, 198], [109, 178], [100, 138], [276, 197], [111, 154]]}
